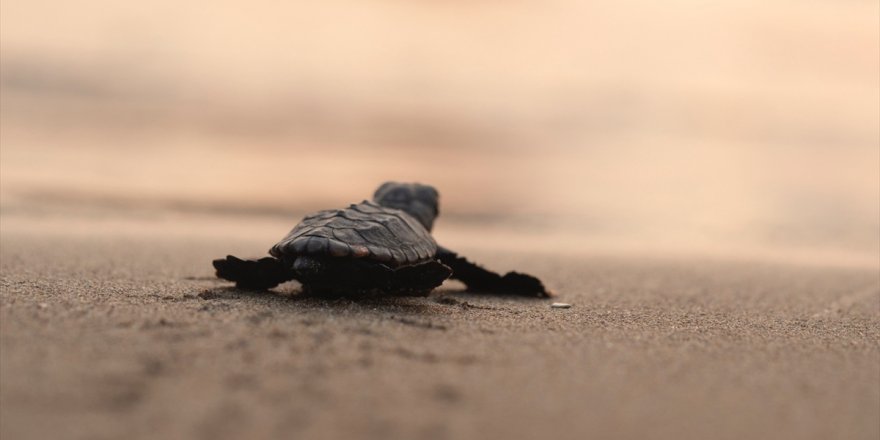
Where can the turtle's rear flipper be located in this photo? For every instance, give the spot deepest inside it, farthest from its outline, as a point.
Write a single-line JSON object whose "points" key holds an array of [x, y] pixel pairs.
{"points": [[261, 274], [422, 277], [478, 279]]}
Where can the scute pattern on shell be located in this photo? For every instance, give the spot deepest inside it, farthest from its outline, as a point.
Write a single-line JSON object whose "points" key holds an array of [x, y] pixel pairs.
{"points": [[364, 230]]}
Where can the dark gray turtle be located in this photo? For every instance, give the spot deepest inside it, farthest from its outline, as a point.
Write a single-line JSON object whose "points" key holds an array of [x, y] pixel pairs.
{"points": [[382, 246]]}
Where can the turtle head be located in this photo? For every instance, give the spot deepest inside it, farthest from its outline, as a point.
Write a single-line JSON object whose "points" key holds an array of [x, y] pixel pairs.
{"points": [[417, 200]]}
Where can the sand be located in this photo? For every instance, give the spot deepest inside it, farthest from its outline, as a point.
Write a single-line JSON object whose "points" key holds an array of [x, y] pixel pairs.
{"points": [[699, 182], [113, 327]]}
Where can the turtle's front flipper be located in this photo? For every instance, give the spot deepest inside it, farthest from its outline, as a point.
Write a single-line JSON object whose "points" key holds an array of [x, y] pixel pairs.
{"points": [[478, 279], [261, 274]]}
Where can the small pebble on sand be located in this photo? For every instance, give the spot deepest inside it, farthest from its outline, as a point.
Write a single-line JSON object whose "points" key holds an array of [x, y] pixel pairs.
{"points": [[560, 306]]}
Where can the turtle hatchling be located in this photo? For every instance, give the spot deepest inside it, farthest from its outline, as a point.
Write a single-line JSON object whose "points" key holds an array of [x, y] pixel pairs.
{"points": [[373, 248]]}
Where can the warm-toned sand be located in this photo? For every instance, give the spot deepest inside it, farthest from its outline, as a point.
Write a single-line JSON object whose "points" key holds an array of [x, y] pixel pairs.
{"points": [[608, 147], [116, 329]]}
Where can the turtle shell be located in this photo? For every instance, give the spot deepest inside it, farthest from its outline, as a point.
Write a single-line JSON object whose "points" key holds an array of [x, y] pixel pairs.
{"points": [[365, 230]]}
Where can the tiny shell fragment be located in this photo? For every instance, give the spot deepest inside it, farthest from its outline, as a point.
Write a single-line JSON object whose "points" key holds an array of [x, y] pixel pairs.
{"points": [[560, 306]]}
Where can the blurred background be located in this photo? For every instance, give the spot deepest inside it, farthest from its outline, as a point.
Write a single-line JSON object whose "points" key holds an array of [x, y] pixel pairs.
{"points": [[734, 129]]}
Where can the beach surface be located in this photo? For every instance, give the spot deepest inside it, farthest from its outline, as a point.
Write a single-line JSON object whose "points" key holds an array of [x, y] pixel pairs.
{"points": [[699, 180], [113, 326]]}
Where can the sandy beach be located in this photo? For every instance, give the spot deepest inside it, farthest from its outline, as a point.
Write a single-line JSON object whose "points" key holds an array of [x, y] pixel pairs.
{"points": [[113, 327], [699, 180]]}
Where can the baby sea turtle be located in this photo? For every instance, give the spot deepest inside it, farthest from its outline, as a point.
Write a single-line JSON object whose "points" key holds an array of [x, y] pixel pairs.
{"points": [[378, 247]]}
